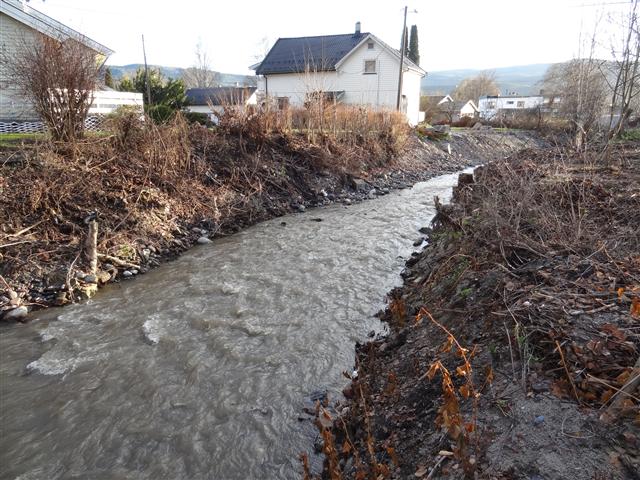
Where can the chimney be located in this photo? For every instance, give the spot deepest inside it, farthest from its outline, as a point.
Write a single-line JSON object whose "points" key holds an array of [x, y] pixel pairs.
{"points": [[357, 28]]}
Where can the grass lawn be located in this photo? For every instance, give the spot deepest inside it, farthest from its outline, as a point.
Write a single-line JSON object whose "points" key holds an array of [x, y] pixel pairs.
{"points": [[13, 139]]}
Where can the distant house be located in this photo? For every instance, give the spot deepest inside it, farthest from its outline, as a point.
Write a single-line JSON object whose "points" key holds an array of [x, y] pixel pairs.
{"points": [[491, 106], [21, 24], [213, 100], [354, 68], [441, 109]]}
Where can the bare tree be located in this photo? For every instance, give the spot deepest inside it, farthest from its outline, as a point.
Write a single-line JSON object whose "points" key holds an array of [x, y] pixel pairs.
{"points": [[58, 78], [582, 91], [473, 88], [200, 74], [262, 49], [625, 86]]}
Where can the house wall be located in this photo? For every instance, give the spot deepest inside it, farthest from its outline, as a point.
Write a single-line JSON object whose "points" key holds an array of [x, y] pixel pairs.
{"points": [[467, 110], [377, 90], [13, 36], [208, 110], [490, 106], [106, 101]]}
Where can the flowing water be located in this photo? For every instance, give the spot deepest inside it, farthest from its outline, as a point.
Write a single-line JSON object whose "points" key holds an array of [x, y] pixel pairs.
{"points": [[200, 368]]}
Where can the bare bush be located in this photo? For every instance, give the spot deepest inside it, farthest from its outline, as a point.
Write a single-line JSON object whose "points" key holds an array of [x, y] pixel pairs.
{"points": [[58, 78], [625, 86], [583, 90], [351, 134]]}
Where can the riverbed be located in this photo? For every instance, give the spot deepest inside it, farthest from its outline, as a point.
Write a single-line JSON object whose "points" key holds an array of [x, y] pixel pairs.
{"points": [[201, 368]]}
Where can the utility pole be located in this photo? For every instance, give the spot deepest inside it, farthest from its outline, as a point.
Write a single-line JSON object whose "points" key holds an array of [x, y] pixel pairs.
{"points": [[146, 74], [402, 48]]}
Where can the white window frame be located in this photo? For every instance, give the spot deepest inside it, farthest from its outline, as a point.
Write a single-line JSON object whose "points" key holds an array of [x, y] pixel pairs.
{"points": [[375, 67]]}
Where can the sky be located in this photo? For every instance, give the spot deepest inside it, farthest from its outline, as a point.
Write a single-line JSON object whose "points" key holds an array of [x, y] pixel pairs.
{"points": [[453, 34]]}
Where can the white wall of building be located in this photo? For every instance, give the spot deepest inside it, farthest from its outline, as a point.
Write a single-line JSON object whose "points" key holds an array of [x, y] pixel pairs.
{"points": [[378, 89], [107, 101], [491, 106]]}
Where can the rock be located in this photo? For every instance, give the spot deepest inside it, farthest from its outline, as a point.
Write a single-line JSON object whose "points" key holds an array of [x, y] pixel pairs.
{"points": [[103, 276], [127, 274], [418, 242], [372, 194], [12, 295], [347, 201], [385, 191], [62, 298], [347, 392], [284, 224], [134, 271], [4, 299], [17, 314], [196, 230], [540, 387], [203, 240], [90, 279], [301, 208], [359, 185], [539, 420], [443, 129]]}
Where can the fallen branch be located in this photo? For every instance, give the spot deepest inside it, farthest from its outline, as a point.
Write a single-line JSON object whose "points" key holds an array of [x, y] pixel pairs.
{"points": [[118, 261]]}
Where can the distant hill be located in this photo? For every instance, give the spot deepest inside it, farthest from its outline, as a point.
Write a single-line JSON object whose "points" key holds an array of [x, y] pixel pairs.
{"points": [[226, 79], [522, 79]]}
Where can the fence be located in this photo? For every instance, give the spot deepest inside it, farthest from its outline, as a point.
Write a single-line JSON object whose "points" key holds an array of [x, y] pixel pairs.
{"points": [[104, 102]]}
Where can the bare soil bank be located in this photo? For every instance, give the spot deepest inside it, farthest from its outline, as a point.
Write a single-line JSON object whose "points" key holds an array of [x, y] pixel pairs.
{"points": [[155, 194], [514, 344]]}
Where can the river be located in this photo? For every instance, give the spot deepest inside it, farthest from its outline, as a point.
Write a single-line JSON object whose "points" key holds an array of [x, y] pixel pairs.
{"points": [[200, 368]]}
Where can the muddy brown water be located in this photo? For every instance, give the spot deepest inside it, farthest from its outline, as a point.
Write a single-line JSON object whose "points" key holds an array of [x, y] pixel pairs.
{"points": [[200, 368]]}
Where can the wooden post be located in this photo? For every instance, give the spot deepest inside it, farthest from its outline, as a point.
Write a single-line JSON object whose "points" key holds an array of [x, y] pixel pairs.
{"points": [[91, 246]]}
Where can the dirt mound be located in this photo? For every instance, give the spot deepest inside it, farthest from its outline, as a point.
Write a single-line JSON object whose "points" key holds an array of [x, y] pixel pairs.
{"points": [[513, 349]]}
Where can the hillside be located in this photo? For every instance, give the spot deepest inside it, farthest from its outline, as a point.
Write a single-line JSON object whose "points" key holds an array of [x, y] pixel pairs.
{"points": [[226, 79], [522, 79]]}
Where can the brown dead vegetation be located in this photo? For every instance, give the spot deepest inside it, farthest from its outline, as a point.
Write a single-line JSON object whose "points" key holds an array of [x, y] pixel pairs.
{"points": [[535, 269], [149, 184]]}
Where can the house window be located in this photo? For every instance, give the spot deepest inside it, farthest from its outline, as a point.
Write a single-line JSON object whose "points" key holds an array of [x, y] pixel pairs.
{"points": [[283, 103], [370, 45], [510, 102], [369, 66], [520, 104], [491, 105]]}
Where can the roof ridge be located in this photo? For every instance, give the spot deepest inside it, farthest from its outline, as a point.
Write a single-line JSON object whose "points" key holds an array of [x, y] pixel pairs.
{"points": [[320, 36]]}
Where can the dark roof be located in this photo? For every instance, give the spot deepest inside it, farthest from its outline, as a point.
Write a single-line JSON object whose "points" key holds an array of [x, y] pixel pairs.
{"points": [[219, 95], [291, 55]]}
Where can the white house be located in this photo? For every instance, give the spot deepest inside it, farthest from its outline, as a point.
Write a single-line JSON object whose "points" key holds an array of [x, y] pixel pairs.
{"points": [[213, 100], [355, 68], [21, 24], [492, 105]]}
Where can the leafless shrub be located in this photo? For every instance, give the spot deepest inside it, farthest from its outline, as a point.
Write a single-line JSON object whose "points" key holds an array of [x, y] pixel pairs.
{"points": [[58, 78], [582, 88]]}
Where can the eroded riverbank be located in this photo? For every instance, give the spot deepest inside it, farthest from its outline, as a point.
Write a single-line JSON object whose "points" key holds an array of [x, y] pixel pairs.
{"points": [[534, 271]]}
